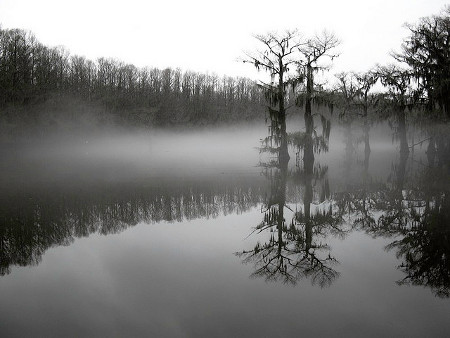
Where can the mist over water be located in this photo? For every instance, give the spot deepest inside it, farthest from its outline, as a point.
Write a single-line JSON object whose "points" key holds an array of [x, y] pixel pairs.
{"points": [[169, 232], [123, 156]]}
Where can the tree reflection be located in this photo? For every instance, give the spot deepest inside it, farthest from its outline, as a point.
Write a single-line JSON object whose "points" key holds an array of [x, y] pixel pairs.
{"points": [[424, 243], [416, 213], [356, 198], [295, 248], [33, 221], [425, 248]]}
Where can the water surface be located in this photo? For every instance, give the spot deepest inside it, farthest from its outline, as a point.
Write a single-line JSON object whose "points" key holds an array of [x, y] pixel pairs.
{"points": [[199, 234]]}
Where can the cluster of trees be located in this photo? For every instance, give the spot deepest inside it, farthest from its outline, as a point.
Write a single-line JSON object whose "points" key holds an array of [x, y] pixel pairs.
{"points": [[31, 73], [417, 83], [419, 77], [427, 53]]}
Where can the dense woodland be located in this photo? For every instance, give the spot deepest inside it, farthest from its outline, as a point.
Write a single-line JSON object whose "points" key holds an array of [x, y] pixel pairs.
{"points": [[41, 86], [35, 77]]}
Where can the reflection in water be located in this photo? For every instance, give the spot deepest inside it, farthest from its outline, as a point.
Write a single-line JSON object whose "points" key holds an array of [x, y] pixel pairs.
{"points": [[414, 211], [304, 209], [31, 223], [357, 197], [419, 216], [295, 249]]}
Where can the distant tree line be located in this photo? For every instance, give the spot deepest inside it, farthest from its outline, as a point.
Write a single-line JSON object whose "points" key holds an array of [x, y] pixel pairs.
{"points": [[31, 73], [419, 78]]}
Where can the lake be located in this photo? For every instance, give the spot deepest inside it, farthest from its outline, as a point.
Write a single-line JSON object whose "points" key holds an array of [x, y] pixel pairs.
{"points": [[201, 233]]}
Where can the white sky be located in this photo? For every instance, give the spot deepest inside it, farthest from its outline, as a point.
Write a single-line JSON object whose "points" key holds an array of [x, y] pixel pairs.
{"points": [[209, 36]]}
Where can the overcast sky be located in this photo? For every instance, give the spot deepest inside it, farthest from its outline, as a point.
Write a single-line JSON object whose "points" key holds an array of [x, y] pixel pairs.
{"points": [[209, 36]]}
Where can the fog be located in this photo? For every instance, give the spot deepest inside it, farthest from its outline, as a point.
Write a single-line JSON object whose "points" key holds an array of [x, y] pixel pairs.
{"points": [[189, 210], [111, 156], [120, 155]]}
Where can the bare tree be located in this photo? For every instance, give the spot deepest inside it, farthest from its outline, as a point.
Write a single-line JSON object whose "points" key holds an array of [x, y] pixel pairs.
{"points": [[314, 52], [279, 58]]}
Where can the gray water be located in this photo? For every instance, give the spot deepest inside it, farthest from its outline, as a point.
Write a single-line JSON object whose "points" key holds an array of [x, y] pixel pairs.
{"points": [[156, 234]]}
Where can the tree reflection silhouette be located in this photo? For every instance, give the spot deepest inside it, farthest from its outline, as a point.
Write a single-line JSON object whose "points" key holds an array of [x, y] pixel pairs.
{"points": [[33, 221], [424, 225], [295, 249], [413, 209], [359, 197]]}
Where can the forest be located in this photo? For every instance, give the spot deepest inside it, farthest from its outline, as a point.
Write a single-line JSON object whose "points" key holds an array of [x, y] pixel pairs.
{"points": [[44, 87], [47, 86]]}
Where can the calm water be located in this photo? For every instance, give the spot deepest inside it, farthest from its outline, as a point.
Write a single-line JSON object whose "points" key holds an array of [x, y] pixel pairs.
{"points": [[199, 234]]}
